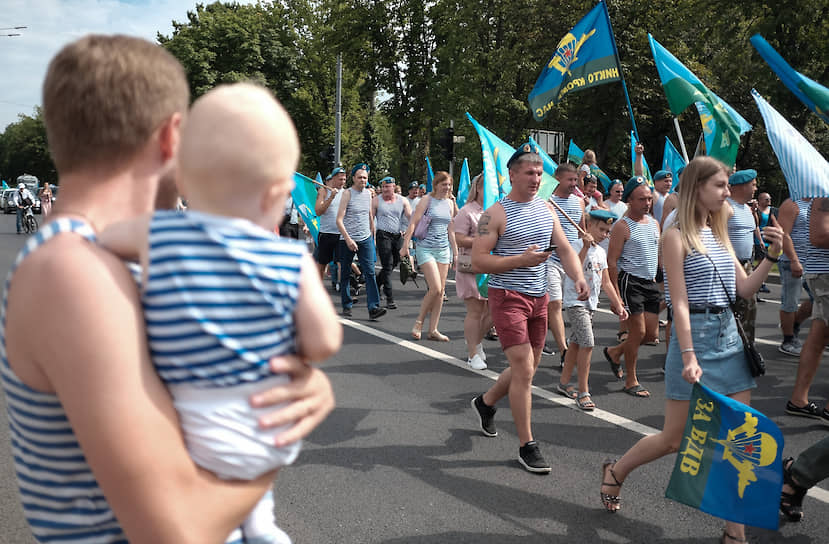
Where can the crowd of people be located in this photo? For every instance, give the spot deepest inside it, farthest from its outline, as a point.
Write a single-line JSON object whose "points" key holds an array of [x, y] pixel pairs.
{"points": [[202, 342]]}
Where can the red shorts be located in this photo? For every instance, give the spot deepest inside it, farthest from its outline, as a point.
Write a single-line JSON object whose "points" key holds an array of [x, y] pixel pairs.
{"points": [[518, 318]]}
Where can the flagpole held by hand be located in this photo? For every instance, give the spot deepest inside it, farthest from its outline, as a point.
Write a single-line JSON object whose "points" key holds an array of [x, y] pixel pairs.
{"points": [[320, 184]]}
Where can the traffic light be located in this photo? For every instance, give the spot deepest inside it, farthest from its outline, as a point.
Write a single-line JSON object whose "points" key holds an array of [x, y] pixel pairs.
{"points": [[328, 155], [448, 143]]}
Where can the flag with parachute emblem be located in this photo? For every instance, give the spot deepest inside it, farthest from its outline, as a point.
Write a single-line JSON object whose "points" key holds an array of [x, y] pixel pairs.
{"points": [[709, 124], [464, 184], [584, 58], [729, 461], [805, 169], [809, 91], [305, 199]]}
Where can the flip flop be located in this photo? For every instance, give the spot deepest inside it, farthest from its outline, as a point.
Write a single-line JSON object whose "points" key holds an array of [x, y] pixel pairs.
{"points": [[636, 391], [616, 368]]}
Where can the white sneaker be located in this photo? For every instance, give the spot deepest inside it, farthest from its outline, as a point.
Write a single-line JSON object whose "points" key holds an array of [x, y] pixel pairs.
{"points": [[479, 349], [476, 362]]}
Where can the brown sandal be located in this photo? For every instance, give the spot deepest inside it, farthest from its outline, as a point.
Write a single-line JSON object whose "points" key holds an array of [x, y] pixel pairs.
{"points": [[612, 503]]}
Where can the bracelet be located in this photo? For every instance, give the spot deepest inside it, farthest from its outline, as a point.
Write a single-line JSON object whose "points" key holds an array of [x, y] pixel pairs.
{"points": [[768, 257], [687, 350]]}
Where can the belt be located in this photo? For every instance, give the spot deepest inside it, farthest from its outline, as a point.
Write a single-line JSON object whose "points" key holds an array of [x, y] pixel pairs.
{"points": [[708, 310]]}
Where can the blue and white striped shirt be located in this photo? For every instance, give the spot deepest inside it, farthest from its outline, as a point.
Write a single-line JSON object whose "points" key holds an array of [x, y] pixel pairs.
{"points": [[741, 227], [219, 298], [437, 237], [571, 205], [356, 218], [701, 282], [528, 223], [817, 259], [389, 214], [800, 230], [640, 254]]}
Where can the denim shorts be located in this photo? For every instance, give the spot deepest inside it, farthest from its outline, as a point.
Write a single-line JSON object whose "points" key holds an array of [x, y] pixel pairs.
{"points": [[719, 352], [441, 255], [790, 288]]}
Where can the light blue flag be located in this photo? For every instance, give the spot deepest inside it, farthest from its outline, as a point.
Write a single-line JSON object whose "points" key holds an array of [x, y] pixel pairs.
{"points": [[464, 184], [5, 185], [672, 161], [806, 171], [429, 175], [809, 91], [495, 153], [305, 198], [548, 180], [576, 155], [646, 169]]}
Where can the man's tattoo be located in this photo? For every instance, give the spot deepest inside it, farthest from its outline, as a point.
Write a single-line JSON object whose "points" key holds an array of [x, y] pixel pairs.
{"points": [[483, 224]]}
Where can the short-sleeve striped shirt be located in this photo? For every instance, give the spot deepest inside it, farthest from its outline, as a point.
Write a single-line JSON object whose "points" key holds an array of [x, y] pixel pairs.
{"points": [[701, 281], [572, 206], [528, 223], [389, 214], [219, 298], [357, 214], [741, 227], [640, 254]]}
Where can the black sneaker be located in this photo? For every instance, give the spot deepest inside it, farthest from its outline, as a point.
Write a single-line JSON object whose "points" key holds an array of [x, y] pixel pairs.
{"points": [[824, 417], [561, 363], [374, 313], [810, 410], [346, 312], [548, 349], [486, 414], [390, 304], [531, 459]]}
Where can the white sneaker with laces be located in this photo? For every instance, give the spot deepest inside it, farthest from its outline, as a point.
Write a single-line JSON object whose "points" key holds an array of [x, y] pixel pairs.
{"points": [[479, 349], [476, 362], [789, 348]]}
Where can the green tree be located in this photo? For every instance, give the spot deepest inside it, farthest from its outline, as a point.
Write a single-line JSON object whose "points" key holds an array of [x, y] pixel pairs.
{"points": [[23, 149]]}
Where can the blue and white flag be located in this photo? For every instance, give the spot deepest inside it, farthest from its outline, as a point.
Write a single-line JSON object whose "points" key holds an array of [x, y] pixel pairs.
{"points": [[672, 161], [464, 184], [305, 199], [429, 175], [806, 171]]}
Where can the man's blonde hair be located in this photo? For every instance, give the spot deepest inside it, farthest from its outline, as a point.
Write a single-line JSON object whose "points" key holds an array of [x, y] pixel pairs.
{"points": [[103, 98]]}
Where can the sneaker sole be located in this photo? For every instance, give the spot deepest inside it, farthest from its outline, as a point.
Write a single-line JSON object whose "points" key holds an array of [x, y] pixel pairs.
{"points": [[534, 470], [801, 414], [480, 421], [789, 353]]}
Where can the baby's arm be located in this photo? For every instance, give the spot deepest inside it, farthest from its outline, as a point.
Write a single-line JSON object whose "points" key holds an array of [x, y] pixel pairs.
{"points": [[319, 333], [127, 239]]}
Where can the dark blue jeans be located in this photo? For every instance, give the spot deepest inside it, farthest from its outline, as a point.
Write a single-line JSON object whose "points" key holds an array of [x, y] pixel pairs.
{"points": [[366, 256]]}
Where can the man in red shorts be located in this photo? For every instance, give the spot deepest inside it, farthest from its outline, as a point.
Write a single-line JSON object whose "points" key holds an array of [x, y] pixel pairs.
{"points": [[515, 237]]}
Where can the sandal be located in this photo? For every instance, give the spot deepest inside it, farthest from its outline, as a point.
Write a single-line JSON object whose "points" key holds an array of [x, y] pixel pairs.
{"points": [[637, 391], [585, 402], [438, 337], [791, 504], [726, 538], [567, 390], [615, 368], [612, 503], [417, 329]]}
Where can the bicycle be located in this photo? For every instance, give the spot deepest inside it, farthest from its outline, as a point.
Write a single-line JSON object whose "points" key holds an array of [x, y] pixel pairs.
{"points": [[29, 221]]}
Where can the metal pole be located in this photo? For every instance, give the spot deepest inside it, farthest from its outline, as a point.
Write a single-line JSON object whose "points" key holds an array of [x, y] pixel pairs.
{"points": [[452, 144], [681, 141], [339, 117], [621, 73]]}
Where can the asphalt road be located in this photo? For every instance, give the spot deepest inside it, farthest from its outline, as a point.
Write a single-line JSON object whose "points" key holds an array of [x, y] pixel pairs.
{"points": [[401, 458]]}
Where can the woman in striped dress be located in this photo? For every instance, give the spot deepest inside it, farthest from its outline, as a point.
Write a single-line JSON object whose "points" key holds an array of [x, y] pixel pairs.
{"points": [[704, 343]]}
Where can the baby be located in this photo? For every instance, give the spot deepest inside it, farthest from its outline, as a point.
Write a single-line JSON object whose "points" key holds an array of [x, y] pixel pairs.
{"points": [[221, 294]]}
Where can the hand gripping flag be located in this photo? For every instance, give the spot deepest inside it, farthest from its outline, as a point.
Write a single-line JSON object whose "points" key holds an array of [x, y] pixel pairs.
{"points": [[729, 462], [806, 171], [646, 170], [810, 92], [672, 161], [463, 185], [683, 88], [305, 199], [584, 58]]}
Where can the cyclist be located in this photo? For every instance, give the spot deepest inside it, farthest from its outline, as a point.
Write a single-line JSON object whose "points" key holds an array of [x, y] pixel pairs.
{"points": [[22, 198]]}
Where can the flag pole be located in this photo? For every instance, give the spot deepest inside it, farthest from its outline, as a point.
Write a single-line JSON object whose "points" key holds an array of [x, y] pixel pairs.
{"points": [[621, 72], [570, 219], [681, 141], [315, 182]]}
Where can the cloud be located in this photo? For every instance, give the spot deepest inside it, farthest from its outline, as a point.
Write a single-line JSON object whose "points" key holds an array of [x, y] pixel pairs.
{"points": [[54, 23]]}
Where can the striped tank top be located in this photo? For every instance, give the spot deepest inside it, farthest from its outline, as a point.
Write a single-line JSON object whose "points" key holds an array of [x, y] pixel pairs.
{"points": [[741, 227], [571, 205], [356, 218], [701, 281], [437, 236], [219, 298], [528, 223], [61, 500], [389, 214], [640, 254], [817, 259], [800, 231], [328, 220]]}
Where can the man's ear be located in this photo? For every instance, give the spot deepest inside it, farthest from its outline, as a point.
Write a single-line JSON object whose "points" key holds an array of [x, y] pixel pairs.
{"points": [[169, 136]]}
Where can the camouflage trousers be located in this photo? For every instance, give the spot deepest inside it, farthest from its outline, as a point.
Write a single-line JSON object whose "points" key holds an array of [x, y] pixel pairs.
{"points": [[747, 309]]}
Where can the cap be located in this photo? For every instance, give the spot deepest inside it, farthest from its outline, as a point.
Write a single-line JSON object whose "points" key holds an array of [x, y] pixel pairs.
{"points": [[605, 216], [388, 179], [421, 186], [631, 186], [413, 185], [525, 149], [662, 174], [741, 177], [337, 170], [21, 185], [360, 166]]}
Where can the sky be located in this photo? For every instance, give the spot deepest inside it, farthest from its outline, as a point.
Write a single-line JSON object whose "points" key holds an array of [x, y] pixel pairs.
{"points": [[54, 23]]}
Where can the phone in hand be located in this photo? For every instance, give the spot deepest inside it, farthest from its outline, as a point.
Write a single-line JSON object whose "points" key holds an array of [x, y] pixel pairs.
{"points": [[550, 248]]}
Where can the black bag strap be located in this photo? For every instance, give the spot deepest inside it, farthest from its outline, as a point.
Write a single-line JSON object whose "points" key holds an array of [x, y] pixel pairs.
{"points": [[731, 303]]}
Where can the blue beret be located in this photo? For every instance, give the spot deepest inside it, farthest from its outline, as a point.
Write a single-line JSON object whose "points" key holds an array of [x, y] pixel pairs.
{"points": [[422, 186], [522, 150], [337, 170], [360, 166], [605, 216], [328, 177], [662, 174], [388, 179], [413, 185], [742, 176], [631, 186]]}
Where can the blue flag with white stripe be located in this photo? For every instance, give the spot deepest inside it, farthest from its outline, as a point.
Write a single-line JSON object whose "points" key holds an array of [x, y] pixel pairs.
{"points": [[672, 161], [809, 91], [429, 175], [806, 170], [305, 199], [463, 184]]}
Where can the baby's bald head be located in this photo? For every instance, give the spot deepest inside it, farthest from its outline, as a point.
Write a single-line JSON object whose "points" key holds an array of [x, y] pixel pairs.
{"points": [[237, 142]]}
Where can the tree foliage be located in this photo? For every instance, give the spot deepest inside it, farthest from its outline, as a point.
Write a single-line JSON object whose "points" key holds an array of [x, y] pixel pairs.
{"points": [[23, 150]]}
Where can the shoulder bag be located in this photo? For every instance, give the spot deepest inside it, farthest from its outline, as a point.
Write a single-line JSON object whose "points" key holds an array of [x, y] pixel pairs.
{"points": [[421, 230]]}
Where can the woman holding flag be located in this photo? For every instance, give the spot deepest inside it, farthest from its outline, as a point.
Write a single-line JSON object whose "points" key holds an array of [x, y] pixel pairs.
{"points": [[703, 276]]}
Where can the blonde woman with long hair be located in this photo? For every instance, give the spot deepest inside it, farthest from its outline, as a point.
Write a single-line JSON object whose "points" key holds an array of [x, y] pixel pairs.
{"points": [[696, 253]]}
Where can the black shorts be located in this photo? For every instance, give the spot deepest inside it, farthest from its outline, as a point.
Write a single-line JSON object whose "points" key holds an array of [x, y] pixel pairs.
{"points": [[639, 295], [326, 247]]}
